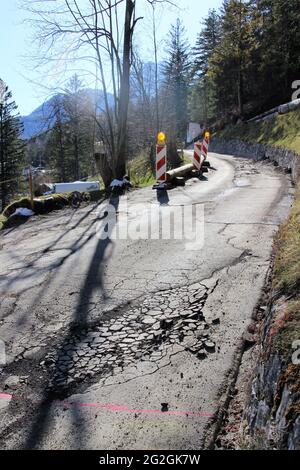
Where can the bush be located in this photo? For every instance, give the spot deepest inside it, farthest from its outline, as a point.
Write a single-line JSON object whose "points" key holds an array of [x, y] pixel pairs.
{"points": [[97, 195]]}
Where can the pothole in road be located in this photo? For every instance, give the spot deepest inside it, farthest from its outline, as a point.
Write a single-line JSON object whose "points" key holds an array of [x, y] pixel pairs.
{"points": [[242, 182], [143, 333]]}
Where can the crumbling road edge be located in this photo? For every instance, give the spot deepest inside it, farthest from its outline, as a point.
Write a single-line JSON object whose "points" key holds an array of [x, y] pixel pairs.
{"points": [[214, 426]]}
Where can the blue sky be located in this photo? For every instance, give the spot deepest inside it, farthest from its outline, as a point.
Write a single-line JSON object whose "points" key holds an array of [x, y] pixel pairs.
{"points": [[16, 45]]}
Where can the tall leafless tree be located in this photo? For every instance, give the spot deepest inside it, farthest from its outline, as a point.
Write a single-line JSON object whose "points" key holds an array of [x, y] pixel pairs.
{"points": [[96, 29]]}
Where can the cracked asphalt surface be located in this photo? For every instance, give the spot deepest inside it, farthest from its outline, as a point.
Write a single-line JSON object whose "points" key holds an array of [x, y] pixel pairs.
{"points": [[128, 344]]}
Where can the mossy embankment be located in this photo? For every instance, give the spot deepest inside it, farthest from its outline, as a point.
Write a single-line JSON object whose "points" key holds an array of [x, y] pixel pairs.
{"points": [[41, 206], [279, 131]]}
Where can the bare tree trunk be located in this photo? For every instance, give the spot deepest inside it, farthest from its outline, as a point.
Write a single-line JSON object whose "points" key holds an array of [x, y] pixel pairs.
{"points": [[61, 154], [104, 169], [240, 90], [157, 127], [3, 189], [156, 71], [120, 164], [76, 155], [98, 27]]}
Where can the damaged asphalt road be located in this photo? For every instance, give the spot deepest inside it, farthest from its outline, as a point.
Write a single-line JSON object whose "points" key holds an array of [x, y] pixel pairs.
{"points": [[128, 344]]}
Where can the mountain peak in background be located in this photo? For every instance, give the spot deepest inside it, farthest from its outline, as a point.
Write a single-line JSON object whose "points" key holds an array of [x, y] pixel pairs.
{"points": [[42, 119]]}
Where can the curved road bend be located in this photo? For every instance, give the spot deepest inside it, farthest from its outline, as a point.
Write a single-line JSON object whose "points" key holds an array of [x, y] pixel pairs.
{"points": [[141, 332]]}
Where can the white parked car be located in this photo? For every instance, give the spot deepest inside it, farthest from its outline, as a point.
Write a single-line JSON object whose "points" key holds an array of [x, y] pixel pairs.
{"points": [[78, 186]]}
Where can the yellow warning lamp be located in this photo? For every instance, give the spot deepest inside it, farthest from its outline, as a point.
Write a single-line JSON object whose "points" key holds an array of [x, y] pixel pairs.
{"points": [[161, 139], [207, 135]]}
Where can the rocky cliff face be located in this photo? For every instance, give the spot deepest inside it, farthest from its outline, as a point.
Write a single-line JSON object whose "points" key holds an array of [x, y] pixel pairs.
{"points": [[273, 411], [286, 159]]}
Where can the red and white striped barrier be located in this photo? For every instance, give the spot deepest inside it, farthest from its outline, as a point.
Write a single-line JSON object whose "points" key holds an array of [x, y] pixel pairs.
{"points": [[197, 159], [161, 163], [205, 146]]}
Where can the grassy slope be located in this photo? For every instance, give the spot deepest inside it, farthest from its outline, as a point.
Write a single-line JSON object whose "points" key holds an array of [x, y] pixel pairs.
{"points": [[286, 280], [280, 131], [141, 173], [287, 265], [2, 221]]}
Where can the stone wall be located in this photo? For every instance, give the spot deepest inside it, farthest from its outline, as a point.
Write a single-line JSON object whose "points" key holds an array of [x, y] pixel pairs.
{"points": [[286, 159], [272, 413]]}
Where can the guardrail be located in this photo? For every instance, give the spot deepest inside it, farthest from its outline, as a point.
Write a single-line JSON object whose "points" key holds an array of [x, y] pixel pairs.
{"points": [[282, 109]]}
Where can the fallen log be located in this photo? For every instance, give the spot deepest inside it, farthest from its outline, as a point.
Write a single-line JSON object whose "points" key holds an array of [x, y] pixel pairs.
{"points": [[185, 170], [180, 172]]}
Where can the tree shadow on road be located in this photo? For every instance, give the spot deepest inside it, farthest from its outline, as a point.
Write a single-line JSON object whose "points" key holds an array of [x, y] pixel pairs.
{"points": [[51, 247], [51, 268], [93, 283]]}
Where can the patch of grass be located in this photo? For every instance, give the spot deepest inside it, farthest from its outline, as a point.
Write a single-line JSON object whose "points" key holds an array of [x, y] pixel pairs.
{"points": [[2, 221], [280, 131], [141, 172], [98, 179], [186, 159], [287, 248], [286, 281], [286, 328]]}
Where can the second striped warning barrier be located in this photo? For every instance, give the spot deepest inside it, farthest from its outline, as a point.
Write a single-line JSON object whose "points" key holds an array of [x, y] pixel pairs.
{"points": [[197, 158]]}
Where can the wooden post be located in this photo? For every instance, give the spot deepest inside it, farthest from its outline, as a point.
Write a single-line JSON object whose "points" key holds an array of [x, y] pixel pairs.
{"points": [[31, 189], [129, 170]]}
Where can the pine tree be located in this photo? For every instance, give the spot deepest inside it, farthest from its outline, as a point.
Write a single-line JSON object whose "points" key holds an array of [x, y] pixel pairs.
{"points": [[176, 72], [246, 59], [202, 101], [55, 146], [78, 112], [69, 146], [228, 64], [11, 145], [207, 41], [278, 51], [202, 93]]}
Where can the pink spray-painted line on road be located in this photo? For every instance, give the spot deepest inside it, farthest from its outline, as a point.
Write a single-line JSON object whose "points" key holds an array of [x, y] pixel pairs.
{"points": [[111, 407]]}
